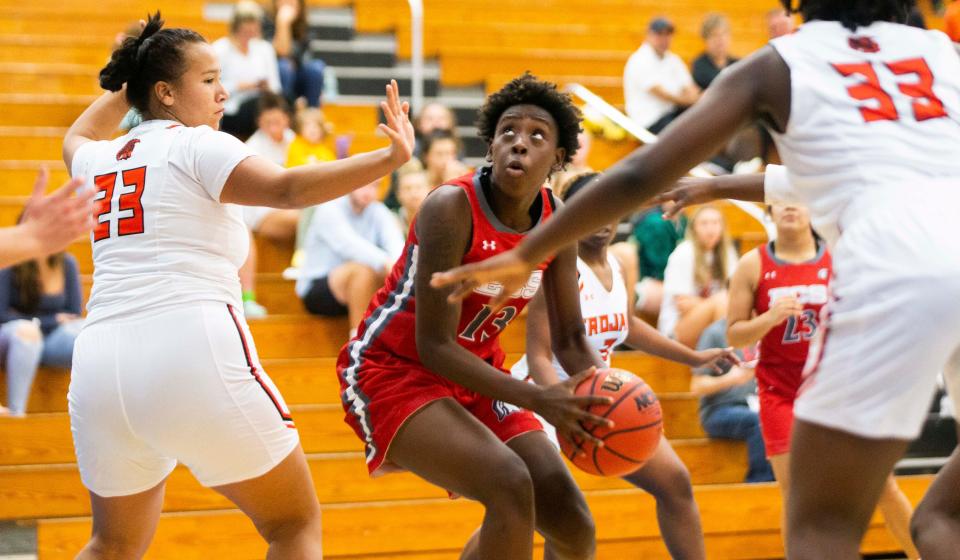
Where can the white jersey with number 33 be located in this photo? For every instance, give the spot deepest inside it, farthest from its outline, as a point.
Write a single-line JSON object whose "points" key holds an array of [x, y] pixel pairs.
{"points": [[871, 110], [162, 236]]}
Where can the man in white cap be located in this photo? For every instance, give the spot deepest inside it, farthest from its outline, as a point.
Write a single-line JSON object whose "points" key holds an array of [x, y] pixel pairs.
{"points": [[657, 85]]}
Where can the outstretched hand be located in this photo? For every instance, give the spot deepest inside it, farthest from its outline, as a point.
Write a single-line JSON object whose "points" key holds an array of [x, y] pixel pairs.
{"points": [[718, 359], [53, 222], [687, 192], [398, 127], [507, 269]]}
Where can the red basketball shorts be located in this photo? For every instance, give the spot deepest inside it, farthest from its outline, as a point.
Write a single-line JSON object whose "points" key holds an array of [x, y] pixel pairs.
{"points": [[776, 421], [379, 392]]}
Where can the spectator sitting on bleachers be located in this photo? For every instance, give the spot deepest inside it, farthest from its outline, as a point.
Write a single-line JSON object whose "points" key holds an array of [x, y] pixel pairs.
{"points": [[439, 156], [412, 188], [657, 86], [695, 279], [434, 116], [716, 56], [779, 23], [40, 306], [272, 141], [656, 239], [725, 410], [273, 135], [311, 143], [301, 75], [951, 20], [350, 247], [248, 68]]}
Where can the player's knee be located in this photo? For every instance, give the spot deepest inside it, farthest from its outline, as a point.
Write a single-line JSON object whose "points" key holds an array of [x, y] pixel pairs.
{"points": [[510, 487], [292, 526], [677, 487], [28, 332]]}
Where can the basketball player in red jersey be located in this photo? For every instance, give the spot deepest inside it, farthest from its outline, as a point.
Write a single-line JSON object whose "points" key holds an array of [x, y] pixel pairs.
{"points": [[423, 383], [864, 111], [776, 295]]}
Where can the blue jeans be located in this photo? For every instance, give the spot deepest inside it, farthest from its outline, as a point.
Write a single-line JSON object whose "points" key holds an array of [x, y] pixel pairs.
{"points": [[22, 351], [305, 80], [741, 423]]}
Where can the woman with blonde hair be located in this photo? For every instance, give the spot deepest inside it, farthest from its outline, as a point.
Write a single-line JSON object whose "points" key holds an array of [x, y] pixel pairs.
{"points": [[695, 280]]}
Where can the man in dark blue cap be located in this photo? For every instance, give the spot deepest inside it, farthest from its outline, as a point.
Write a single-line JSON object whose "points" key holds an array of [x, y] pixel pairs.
{"points": [[657, 85]]}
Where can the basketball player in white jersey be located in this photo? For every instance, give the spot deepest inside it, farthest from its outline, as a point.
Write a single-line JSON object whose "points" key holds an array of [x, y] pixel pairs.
{"points": [[604, 303], [865, 113], [165, 369]]}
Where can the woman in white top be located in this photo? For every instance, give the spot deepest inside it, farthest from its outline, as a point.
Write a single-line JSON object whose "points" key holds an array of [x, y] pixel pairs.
{"points": [[248, 66], [695, 280], [604, 302], [165, 369]]}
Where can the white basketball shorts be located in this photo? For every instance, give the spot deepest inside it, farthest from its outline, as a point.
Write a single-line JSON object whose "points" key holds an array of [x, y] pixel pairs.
{"points": [[182, 384], [894, 320]]}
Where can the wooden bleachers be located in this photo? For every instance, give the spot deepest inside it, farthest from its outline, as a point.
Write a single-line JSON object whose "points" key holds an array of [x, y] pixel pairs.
{"points": [[626, 527]]}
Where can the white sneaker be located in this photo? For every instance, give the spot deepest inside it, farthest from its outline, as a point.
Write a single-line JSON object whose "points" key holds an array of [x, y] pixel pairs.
{"points": [[253, 310]]}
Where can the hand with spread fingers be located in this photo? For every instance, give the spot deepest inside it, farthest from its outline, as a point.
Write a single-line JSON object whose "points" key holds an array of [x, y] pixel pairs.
{"points": [[508, 269], [398, 127]]}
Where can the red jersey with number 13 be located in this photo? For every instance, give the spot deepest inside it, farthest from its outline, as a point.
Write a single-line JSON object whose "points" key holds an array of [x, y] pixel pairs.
{"points": [[390, 322], [783, 351]]}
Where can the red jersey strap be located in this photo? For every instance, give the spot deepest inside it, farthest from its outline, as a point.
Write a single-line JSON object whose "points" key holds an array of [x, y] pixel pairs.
{"points": [[487, 227]]}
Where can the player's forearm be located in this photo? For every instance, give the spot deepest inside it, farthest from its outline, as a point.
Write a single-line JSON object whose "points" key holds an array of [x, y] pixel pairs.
{"points": [[541, 370], [747, 187], [648, 339], [576, 354], [741, 334], [18, 244], [452, 361], [309, 185], [101, 119]]}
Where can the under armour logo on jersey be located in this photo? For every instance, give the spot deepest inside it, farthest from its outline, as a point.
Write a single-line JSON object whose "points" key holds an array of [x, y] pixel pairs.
{"points": [[770, 275], [823, 273], [489, 245]]}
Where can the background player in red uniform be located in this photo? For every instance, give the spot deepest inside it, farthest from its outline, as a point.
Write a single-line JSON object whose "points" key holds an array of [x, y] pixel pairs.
{"points": [[423, 381], [775, 298], [838, 467]]}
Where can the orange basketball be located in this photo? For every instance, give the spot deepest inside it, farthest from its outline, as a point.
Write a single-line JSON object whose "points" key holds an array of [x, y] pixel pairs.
{"points": [[638, 425]]}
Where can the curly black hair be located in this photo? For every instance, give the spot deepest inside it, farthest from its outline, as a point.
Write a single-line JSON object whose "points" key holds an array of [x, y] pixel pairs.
{"points": [[852, 13], [528, 90]]}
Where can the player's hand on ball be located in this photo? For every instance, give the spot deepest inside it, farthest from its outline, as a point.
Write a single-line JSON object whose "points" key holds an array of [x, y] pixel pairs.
{"points": [[717, 358], [568, 413], [398, 128], [507, 268], [784, 308], [687, 192]]}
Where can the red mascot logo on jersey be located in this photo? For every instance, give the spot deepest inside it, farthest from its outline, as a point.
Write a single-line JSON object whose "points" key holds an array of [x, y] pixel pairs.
{"points": [[126, 152], [864, 44]]}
